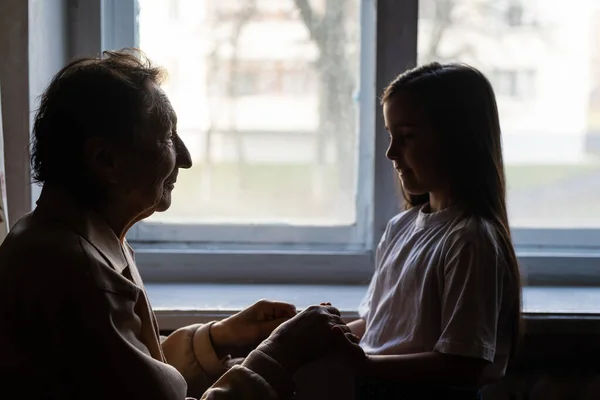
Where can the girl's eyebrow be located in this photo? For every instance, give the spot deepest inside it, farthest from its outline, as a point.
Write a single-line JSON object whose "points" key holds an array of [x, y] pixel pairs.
{"points": [[404, 125]]}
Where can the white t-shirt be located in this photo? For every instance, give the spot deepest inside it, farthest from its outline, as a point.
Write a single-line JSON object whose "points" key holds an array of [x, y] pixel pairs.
{"points": [[440, 284]]}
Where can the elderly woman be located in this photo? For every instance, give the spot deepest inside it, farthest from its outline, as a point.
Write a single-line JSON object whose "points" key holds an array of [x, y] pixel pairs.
{"points": [[75, 320]]}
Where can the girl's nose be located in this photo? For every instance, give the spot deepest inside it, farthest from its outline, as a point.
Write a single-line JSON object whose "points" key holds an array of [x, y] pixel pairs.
{"points": [[389, 154], [394, 151]]}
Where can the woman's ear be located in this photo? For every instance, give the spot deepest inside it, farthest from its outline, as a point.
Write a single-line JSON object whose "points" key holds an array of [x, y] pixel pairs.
{"points": [[100, 160]]}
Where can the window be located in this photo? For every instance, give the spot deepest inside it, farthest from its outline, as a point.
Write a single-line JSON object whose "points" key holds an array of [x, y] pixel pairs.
{"points": [[515, 84], [544, 79], [269, 165], [521, 13], [231, 10], [427, 9], [173, 10], [259, 79], [269, 96], [505, 82], [514, 14], [277, 101]]}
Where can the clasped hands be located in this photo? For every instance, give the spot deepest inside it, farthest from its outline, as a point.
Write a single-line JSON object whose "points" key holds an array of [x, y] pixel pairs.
{"points": [[293, 339]]}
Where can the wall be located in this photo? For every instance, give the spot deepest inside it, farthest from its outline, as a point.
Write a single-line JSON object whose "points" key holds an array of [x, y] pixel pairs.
{"points": [[48, 50], [15, 102], [33, 48]]}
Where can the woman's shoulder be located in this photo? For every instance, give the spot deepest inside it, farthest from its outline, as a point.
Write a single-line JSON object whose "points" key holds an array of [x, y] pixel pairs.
{"points": [[36, 247]]}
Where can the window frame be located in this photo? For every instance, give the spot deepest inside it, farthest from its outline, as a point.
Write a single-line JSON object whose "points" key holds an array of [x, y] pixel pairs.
{"points": [[547, 256]]}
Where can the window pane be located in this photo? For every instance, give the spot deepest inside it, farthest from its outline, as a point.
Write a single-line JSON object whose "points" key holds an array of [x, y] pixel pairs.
{"points": [[543, 59], [265, 95]]}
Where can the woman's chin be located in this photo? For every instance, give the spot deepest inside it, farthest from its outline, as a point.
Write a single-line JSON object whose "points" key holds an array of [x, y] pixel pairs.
{"points": [[164, 203]]}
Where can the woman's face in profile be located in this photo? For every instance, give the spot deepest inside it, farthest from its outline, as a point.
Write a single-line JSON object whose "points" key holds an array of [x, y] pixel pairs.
{"points": [[151, 166]]}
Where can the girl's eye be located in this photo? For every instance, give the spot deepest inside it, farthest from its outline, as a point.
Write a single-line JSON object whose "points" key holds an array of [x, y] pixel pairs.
{"points": [[408, 135]]}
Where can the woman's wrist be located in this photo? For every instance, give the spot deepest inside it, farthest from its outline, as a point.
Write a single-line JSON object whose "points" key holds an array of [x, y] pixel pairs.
{"points": [[284, 359], [263, 362]]}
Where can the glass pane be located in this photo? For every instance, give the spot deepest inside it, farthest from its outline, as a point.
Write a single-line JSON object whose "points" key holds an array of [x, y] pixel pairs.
{"points": [[543, 59], [265, 92]]}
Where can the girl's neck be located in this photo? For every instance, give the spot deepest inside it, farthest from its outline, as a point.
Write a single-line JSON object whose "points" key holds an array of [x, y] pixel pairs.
{"points": [[439, 201]]}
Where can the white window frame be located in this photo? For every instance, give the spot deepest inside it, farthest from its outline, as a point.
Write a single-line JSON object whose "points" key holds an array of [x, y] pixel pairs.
{"points": [[547, 256]]}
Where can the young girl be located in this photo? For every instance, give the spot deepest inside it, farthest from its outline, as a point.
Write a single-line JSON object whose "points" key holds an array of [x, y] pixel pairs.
{"points": [[441, 316]]}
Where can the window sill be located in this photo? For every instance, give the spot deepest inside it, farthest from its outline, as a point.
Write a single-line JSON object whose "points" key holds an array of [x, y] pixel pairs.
{"points": [[540, 266], [555, 310]]}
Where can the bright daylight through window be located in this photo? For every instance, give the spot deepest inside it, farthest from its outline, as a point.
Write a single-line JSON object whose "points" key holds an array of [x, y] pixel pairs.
{"points": [[543, 59], [271, 98], [266, 96]]}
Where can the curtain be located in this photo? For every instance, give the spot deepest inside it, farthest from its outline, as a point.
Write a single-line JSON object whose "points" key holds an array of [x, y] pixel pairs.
{"points": [[3, 212]]}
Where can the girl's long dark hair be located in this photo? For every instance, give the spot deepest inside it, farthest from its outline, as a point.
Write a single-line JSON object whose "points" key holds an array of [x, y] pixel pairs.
{"points": [[461, 104]]}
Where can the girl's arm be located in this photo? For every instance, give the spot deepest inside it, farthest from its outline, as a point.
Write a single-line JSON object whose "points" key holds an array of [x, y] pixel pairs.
{"points": [[430, 367], [471, 304], [358, 327]]}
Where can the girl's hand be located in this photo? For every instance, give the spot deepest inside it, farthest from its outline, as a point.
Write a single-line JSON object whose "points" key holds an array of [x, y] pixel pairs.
{"points": [[349, 348], [312, 334], [242, 332]]}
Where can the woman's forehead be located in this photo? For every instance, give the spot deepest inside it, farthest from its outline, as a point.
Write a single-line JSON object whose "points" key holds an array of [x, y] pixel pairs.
{"points": [[162, 112]]}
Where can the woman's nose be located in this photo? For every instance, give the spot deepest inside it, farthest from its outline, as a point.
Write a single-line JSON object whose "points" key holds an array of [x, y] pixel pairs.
{"points": [[183, 158]]}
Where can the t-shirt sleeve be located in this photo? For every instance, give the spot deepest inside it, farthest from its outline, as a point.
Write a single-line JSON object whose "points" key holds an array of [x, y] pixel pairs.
{"points": [[472, 294], [365, 304]]}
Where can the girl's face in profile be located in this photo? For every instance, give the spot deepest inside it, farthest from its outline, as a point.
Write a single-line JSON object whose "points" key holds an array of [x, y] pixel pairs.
{"points": [[415, 146]]}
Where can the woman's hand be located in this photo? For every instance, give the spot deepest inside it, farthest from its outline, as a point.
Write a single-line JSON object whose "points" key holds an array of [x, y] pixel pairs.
{"points": [[310, 335], [242, 332]]}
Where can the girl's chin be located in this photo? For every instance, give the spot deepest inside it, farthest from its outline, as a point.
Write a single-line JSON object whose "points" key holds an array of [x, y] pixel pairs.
{"points": [[412, 189]]}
